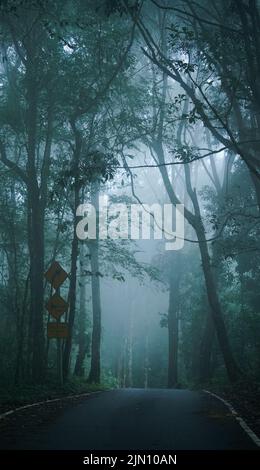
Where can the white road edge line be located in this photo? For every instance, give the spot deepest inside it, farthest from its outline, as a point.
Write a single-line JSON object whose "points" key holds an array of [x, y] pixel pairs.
{"points": [[240, 420], [20, 408]]}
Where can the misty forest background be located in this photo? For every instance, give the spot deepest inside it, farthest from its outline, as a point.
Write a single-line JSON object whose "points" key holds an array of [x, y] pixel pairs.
{"points": [[145, 102]]}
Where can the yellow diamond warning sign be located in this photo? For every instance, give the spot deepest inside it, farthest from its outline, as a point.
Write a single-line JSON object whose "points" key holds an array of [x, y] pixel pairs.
{"points": [[56, 306], [56, 275], [57, 330]]}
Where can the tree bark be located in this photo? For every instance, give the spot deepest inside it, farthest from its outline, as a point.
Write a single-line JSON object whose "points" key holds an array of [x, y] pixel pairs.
{"points": [[19, 366], [173, 328], [95, 369], [83, 339], [35, 235], [146, 360], [74, 254], [94, 374], [129, 375], [217, 315], [195, 220], [256, 183], [205, 367]]}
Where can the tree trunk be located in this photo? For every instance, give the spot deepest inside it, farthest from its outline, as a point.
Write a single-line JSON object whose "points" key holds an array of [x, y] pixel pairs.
{"points": [[129, 376], [36, 286], [19, 366], [124, 362], [94, 374], [83, 339], [35, 234], [74, 254], [173, 332], [205, 368], [146, 360], [205, 354], [72, 308], [232, 369], [195, 221], [256, 183]]}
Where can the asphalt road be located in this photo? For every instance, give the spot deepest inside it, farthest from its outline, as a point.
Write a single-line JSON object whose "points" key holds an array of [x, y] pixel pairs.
{"points": [[136, 419]]}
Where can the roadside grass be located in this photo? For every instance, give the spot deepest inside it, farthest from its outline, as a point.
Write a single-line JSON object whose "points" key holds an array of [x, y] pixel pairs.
{"points": [[25, 394]]}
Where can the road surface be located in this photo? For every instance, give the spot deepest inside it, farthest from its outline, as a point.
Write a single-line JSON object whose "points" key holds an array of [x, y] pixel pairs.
{"points": [[137, 419]]}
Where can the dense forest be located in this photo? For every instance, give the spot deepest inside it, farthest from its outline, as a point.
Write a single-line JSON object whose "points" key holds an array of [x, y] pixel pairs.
{"points": [[130, 102]]}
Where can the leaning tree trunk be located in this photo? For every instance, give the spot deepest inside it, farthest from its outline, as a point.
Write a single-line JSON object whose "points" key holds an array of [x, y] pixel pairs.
{"points": [[215, 308], [233, 370], [205, 368], [195, 221], [256, 183]]}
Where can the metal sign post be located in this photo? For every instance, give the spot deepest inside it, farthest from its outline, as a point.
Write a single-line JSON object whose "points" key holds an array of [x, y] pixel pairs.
{"points": [[56, 307]]}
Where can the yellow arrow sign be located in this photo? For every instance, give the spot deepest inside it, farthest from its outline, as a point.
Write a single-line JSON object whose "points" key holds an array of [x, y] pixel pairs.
{"points": [[57, 330], [56, 306], [56, 275]]}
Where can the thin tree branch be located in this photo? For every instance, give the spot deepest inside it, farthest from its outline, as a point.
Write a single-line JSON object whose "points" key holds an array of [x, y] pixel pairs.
{"points": [[183, 12], [12, 165]]}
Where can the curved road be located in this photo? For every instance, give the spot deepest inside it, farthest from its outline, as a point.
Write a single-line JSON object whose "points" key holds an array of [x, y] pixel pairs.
{"points": [[137, 419]]}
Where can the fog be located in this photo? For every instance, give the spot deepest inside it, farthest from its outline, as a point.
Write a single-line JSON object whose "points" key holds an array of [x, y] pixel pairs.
{"points": [[130, 103]]}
